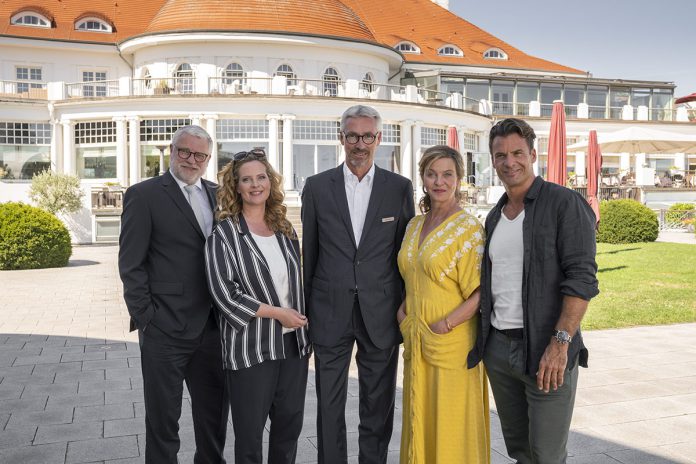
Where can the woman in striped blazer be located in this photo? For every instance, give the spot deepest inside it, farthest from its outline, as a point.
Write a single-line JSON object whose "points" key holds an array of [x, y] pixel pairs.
{"points": [[254, 275]]}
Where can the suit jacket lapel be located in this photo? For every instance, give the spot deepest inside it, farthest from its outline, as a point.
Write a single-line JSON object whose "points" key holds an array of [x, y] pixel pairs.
{"points": [[379, 184], [339, 191], [177, 196], [211, 193]]}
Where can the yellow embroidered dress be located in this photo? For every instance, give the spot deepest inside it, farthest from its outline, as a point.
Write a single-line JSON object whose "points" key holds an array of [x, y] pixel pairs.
{"points": [[445, 408]]}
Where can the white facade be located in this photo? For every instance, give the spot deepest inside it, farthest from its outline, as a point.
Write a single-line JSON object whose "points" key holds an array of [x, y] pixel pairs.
{"points": [[106, 113]]}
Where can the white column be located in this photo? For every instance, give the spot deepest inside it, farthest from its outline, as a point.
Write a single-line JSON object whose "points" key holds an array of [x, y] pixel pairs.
{"points": [[625, 162], [210, 127], [406, 167], [536, 163], [680, 161], [641, 178], [288, 183], [580, 174], [68, 146], [121, 150], [417, 152], [196, 119], [134, 150], [56, 146], [273, 141]]}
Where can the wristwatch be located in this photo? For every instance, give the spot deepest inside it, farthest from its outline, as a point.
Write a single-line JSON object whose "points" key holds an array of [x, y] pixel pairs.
{"points": [[562, 337]]}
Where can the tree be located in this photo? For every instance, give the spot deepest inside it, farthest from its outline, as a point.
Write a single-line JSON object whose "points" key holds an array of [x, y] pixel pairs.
{"points": [[56, 193]]}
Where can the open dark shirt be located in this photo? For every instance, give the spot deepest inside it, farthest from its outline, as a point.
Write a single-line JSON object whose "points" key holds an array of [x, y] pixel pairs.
{"points": [[559, 259]]}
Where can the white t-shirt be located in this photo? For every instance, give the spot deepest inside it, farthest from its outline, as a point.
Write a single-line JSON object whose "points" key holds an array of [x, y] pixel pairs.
{"points": [[270, 248], [506, 251]]}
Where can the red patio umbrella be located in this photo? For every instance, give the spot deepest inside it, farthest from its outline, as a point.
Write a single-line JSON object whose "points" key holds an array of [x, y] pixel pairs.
{"points": [[557, 154], [686, 99], [452, 138], [594, 167]]}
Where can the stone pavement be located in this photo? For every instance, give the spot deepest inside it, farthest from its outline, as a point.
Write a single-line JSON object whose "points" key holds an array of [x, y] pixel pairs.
{"points": [[71, 388]]}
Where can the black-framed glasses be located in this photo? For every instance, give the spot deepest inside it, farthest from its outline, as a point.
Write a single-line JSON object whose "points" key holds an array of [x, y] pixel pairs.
{"points": [[185, 153], [256, 153], [368, 139]]}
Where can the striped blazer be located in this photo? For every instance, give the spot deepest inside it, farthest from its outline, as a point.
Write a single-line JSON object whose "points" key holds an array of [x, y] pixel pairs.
{"points": [[239, 280]]}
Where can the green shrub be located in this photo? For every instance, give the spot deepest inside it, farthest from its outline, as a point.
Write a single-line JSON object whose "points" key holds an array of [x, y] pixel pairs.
{"points": [[676, 212], [32, 238], [56, 193], [626, 221]]}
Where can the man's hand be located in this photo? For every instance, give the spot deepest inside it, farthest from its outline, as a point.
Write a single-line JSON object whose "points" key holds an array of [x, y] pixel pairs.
{"points": [[552, 366], [291, 319]]}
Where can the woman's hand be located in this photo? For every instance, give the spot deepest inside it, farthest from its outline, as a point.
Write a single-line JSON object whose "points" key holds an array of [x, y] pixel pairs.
{"points": [[291, 319], [440, 327], [401, 313]]}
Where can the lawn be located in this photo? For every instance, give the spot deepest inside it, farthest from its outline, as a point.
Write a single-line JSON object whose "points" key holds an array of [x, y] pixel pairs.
{"points": [[643, 284]]}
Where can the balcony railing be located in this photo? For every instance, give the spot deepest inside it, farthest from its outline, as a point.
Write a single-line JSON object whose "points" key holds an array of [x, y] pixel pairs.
{"points": [[613, 193], [23, 89], [676, 178], [92, 89]]}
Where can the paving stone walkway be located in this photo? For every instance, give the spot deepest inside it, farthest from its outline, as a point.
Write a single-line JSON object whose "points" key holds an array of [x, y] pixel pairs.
{"points": [[71, 387]]}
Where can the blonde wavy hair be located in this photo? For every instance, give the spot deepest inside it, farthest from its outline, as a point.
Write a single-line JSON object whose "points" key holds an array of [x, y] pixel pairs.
{"points": [[431, 155], [230, 202]]}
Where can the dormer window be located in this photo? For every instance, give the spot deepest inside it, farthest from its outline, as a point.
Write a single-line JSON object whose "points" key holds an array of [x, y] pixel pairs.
{"points": [[30, 18], [93, 25], [495, 54], [407, 47], [450, 50]]}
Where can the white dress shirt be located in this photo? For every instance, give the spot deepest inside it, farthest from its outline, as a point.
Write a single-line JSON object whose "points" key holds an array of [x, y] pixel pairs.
{"points": [[203, 201], [358, 195]]}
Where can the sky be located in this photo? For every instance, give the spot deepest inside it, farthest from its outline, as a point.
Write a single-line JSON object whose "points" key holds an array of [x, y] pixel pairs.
{"points": [[614, 39]]}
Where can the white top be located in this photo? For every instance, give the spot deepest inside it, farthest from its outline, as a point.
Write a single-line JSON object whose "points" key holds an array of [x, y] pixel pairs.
{"points": [[270, 248], [506, 251], [203, 202], [358, 195]]}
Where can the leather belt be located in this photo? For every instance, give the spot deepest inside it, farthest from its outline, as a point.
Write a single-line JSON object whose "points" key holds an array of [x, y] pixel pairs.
{"points": [[515, 334]]}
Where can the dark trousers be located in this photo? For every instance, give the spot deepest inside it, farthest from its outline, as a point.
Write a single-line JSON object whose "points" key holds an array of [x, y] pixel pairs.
{"points": [[377, 387], [271, 389], [535, 424], [166, 364]]}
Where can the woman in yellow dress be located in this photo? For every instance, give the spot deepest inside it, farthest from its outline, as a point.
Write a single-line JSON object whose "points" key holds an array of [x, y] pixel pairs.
{"points": [[445, 405]]}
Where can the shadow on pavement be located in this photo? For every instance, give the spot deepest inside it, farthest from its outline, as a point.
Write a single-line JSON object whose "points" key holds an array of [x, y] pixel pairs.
{"points": [[79, 400]]}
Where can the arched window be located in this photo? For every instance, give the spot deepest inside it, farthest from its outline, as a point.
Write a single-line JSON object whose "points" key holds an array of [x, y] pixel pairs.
{"points": [[450, 50], [92, 24], [286, 70], [30, 18], [367, 83], [183, 77], [495, 54], [407, 47], [330, 84], [233, 71]]}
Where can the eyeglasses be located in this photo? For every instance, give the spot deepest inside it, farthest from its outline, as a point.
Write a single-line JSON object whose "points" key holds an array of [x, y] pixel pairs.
{"points": [[256, 153], [368, 139], [185, 153]]}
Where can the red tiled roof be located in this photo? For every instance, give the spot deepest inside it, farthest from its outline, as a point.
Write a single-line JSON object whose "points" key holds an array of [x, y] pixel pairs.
{"points": [[430, 26], [385, 22], [325, 17]]}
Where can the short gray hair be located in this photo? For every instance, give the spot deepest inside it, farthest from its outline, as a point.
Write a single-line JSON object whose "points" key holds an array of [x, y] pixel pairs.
{"points": [[361, 111], [193, 131]]}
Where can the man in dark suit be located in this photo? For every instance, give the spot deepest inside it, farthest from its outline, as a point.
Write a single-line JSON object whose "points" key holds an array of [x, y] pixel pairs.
{"points": [[353, 221], [164, 226]]}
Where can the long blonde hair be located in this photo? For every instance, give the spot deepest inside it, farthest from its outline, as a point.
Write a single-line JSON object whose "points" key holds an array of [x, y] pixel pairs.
{"points": [[431, 155], [230, 202]]}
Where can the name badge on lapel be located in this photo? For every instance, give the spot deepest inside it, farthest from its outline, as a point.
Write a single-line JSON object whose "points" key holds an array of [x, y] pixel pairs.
{"points": [[388, 219]]}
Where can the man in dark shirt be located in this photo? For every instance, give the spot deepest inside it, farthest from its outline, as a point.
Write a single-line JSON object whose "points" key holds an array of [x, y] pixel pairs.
{"points": [[538, 275]]}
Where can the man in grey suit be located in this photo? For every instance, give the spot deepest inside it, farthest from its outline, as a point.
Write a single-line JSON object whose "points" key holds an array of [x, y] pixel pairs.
{"points": [[353, 220], [164, 226]]}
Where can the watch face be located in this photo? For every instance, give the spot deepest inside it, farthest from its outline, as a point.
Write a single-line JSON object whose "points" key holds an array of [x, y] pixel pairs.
{"points": [[562, 336]]}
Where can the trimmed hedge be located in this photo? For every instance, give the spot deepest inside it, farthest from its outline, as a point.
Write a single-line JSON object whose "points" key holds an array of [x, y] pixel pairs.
{"points": [[626, 221], [32, 238]]}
